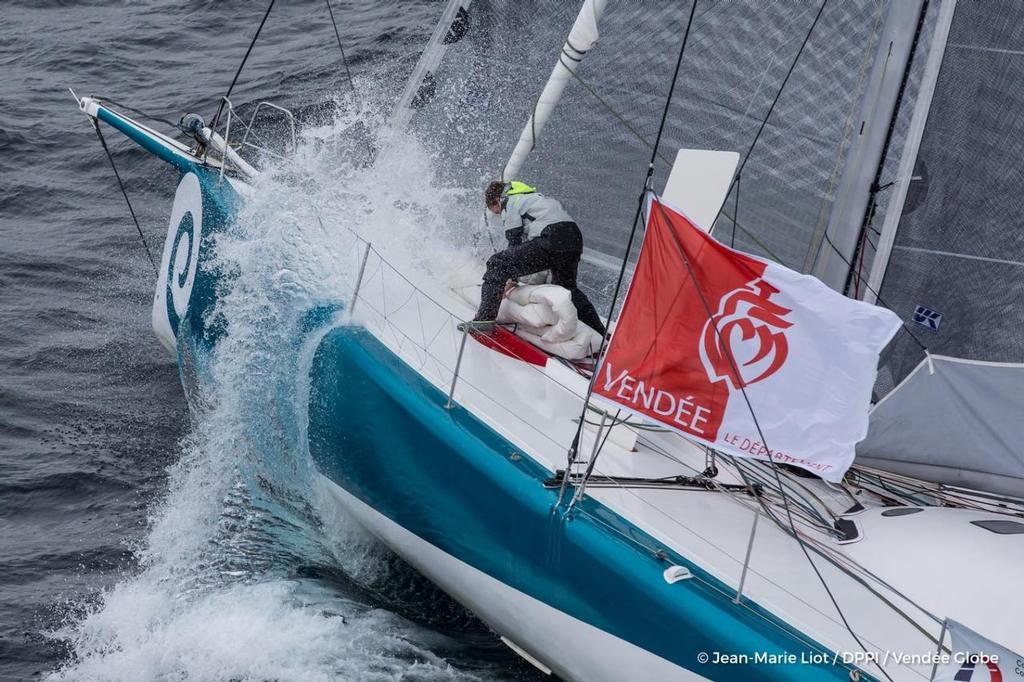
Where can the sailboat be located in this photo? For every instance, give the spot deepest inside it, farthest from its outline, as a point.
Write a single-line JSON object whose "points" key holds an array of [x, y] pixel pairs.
{"points": [[604, 547]]}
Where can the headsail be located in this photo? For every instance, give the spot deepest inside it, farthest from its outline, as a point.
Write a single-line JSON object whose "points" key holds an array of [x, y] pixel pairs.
{"points": [[598, 140]]}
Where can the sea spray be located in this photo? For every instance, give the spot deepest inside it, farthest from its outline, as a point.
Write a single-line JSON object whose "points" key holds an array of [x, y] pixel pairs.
{"points": [[223, 590]]}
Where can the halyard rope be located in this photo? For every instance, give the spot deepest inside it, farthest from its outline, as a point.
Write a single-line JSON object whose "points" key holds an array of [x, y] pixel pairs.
{"points": [[252, 44]]}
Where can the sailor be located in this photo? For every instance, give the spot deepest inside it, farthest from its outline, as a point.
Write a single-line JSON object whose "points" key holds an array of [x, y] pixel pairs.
{"points": [[541, 236]]}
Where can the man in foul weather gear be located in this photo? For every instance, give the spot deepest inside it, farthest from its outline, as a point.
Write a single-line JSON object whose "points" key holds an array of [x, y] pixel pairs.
{"points": [[541, 236]]}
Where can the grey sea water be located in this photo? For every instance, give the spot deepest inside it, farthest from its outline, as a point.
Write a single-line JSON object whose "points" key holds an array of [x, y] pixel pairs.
{"points": [[138, 542]]}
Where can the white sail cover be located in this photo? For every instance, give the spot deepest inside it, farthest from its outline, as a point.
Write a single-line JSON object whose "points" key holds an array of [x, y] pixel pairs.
{"points": [[952, 421]]}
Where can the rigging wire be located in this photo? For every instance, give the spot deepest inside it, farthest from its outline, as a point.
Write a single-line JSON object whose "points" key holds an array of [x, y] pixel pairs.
{"points": [[618, 116], [757, 136], [664, 159], [344, 60], [120, 183], [252, 44], [778, 94], [629, 244]]}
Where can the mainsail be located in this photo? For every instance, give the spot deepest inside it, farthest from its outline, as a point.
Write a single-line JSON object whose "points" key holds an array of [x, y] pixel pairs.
{"points": [[958, 256], [956, 262]]}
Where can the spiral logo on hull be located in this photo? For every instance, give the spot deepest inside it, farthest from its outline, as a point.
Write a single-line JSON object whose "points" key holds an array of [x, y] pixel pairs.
{"points": [[181, 251]]}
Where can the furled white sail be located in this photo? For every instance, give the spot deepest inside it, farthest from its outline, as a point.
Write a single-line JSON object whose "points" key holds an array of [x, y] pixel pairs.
{"points": [[582, 38]]}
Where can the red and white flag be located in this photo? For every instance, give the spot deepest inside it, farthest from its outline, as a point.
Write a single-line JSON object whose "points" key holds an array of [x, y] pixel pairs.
{"points": [[805, 355]]}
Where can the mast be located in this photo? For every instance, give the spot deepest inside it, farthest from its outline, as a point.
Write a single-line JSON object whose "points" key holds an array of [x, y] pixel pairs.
{"points": [[582, 37], [910, 148], [878, 109]]}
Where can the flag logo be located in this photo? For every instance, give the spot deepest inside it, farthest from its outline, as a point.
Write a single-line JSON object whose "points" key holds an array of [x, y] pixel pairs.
{"points": [[702, 322], [975, 658], [966, 671], [750, 329], [926, 317]]}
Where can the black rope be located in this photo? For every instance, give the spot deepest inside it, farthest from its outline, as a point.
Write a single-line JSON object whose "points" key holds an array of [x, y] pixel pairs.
{"points": [[252, 44], [735, 214], [764, 123], [629, 244], [750, 408], [876, 187], [128, 201], [337, 35], [782, 86]]}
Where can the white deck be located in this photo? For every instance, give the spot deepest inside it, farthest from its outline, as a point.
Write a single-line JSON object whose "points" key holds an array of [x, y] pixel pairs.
{"points": [[950, 567]]}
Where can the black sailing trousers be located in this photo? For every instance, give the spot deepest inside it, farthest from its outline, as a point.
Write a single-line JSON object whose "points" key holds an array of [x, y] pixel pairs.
{"points": [[558, 248]]}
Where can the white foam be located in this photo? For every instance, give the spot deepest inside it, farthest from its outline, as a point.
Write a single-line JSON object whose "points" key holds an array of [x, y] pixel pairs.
{"points": [[215, 597], [263, 631]]}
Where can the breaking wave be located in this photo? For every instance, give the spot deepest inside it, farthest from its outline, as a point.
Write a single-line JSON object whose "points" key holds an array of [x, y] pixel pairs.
{"points": [[247, 573]]}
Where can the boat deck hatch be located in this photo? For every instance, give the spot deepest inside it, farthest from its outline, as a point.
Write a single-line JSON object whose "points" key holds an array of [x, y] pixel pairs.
{"points": [[1001, 527], [901, 511]]}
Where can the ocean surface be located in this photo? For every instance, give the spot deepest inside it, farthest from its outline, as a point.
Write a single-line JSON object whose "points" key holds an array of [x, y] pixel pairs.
{"points": [[139, 541]]}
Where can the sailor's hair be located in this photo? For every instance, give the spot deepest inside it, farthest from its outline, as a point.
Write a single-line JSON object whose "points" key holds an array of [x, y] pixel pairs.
{"points": [[494, 192]]}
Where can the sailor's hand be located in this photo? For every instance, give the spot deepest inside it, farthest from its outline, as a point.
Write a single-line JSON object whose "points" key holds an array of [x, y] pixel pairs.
{"points": [[509, 286]]}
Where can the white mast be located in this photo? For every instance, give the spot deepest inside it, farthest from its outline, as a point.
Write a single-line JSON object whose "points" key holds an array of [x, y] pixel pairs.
{"points": [[910, 148], [582, 37], [877, 110]]}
